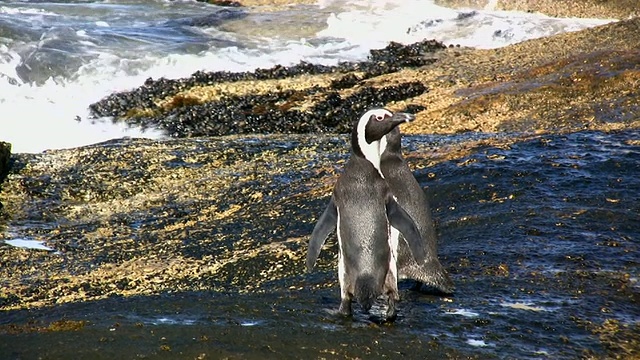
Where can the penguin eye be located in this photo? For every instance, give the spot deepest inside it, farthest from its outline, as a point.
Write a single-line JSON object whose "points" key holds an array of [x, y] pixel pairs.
{"points": [[382, 117]]}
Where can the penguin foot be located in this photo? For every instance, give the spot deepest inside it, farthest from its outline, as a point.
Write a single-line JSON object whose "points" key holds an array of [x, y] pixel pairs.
{"points": [[391, 314], [345, 307], [384, 310], [386, 317]]}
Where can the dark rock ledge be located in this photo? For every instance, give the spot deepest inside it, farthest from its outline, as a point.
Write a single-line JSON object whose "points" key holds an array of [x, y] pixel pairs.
{"points": [[303, 98], [5, 156]]}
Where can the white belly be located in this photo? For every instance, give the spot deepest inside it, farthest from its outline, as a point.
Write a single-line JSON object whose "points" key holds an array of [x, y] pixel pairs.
{"points": [[341, 267], [394, 235]]}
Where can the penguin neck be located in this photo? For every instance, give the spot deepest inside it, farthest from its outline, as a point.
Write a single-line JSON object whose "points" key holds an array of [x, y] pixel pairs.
{"points": [[393, 141], [370, 151]]}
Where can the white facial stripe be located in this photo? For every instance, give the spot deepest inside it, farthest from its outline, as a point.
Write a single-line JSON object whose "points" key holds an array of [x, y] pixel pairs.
{"points": [[373, 150], [383, 146]]}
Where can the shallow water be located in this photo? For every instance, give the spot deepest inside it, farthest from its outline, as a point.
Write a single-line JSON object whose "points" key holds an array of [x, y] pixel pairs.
{"points": [[28, 244], [545, 232], [540, 237]]}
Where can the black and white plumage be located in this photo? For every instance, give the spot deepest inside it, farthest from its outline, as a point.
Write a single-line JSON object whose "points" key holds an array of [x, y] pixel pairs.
{"points": [[366, 215], [412, 198]]}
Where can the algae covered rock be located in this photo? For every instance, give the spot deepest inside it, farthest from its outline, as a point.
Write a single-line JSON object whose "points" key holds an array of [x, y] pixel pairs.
{"points": [[303, 98], [5, 155], [567, 82]]}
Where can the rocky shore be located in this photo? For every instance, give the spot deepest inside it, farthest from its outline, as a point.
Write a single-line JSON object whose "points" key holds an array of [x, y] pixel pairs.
{"points": [[226, 206], [304, 98], [614, 9], [569, 82], [617, 9], [5, 156]]}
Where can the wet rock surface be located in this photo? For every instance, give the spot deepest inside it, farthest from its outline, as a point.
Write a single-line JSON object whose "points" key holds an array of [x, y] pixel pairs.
{"points": [[5, 156], [155, 243], [136, 198]]}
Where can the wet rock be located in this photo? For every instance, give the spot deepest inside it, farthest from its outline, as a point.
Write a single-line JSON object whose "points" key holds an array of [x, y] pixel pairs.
{"points": [[5, 155], [214, 214], [617, 9], [225, 3], [210, 234], [290, 101]]}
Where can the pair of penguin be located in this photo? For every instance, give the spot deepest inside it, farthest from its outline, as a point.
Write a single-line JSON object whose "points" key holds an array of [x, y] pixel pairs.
{"points": [[382, 219]]}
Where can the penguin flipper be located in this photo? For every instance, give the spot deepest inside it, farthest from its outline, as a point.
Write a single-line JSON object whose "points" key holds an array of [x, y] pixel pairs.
{"points": [[326, 224], [401, 220]]}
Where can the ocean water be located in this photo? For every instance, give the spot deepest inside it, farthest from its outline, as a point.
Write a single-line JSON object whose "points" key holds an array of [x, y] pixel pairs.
{"points": [[58, 57]]}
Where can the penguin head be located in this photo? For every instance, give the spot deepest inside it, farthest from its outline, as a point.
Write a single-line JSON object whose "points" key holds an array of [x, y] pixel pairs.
{"points": [[379, 122], [371, 129]]}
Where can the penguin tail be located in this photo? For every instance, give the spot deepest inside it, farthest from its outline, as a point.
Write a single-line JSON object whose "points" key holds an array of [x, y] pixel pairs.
{"points": [[365, 291], [433, 276], [441, 281], [439, 278]]}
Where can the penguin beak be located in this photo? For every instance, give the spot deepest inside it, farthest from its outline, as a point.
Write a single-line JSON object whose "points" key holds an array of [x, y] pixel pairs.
{"points": [[379, 126], [400, 117]]}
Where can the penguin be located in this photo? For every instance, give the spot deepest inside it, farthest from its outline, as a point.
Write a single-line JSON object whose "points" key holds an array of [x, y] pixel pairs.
{"points": [[364, 213], [413, 200]]}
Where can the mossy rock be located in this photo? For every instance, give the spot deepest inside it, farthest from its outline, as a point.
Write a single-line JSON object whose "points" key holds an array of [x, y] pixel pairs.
{"points": [[5, 155]]}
